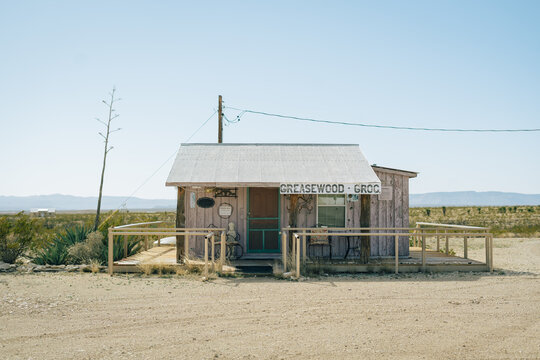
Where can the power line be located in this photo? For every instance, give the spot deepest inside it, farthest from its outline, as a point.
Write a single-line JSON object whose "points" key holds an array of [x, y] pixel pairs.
{"points": [[159, 168], [244, 111]]}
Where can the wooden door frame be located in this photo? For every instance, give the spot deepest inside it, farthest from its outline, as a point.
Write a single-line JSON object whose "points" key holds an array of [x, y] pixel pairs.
{"points": [[278, 229]]}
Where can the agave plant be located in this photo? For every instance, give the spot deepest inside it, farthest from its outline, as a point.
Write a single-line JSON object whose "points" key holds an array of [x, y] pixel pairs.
{"points": [[56, 252]]}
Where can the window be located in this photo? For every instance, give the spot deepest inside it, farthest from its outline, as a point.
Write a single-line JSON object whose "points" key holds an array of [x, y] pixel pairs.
{"points": [[331, 210]]}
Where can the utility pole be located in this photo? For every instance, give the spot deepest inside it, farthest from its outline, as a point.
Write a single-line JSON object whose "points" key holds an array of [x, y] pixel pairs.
{"points": [[220, 121]]}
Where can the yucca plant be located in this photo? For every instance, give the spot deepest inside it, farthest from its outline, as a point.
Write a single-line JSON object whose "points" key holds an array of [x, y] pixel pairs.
{"points": [[133, 247], [56, 252]]}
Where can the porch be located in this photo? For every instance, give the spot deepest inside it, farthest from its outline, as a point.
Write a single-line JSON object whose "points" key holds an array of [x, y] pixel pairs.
{"points": [[429, 250]]}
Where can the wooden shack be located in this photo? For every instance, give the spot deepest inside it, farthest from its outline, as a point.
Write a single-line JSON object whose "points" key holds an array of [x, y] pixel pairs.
{"points": [[265, 188]]}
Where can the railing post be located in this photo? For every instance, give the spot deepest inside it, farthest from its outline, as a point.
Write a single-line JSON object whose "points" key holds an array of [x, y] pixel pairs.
{"points": [[423, 251], [304, 247], [206, 257], [223, 250], [465, 247], [146, 242], [438, 240], [447, 251], [293, 249], [298, 257], [212, 253], [396, 245], [159, 241], [487, 251], [125, 246], [110, 261], [491, 253], [284, 250], [186, 246], [416, 238]]}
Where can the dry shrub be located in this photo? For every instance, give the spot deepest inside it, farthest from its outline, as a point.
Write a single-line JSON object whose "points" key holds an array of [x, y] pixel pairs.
{"points": [[146, 269], [88, 251], [95, 266]]}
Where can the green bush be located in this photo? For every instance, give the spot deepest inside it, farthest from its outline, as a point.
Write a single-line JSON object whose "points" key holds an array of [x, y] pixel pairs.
{"points": [[56, 251], [16, 236]]}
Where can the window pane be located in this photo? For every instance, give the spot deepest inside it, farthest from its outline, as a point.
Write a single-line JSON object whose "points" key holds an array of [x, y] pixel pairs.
{"points": [[331, 199], [332, 216]]}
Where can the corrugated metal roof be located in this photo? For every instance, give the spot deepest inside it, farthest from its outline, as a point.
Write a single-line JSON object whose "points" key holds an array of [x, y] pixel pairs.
{"points": [[269, 164]]}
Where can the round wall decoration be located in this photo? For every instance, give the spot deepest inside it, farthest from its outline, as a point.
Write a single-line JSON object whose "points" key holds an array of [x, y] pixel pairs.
{"points": [[205, 202], [225, 210]]}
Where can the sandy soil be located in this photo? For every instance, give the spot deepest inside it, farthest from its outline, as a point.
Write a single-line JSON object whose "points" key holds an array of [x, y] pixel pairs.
{"points": [[453, 316]]}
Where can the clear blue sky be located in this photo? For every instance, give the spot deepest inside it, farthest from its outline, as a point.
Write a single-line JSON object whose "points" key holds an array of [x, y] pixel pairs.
{"points": [[470, 64]]}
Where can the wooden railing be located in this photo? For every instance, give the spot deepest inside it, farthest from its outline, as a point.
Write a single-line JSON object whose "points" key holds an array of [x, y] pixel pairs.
{"points": [[418, 234], [139, 230]]}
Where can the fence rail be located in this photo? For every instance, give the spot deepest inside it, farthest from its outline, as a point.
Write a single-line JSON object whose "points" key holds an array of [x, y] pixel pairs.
{"points": [[138, 230], [418, 236]]}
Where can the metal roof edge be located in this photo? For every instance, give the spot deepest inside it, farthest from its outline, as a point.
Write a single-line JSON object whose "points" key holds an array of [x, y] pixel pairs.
{"points": [[267, 144], [411, 174]]}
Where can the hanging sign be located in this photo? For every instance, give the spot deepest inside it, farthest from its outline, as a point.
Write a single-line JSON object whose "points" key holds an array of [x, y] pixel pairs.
{"points": [[365, 188], [225, 210]]}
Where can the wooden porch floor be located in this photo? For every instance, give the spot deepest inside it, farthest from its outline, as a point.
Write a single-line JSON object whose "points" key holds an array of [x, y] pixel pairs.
{"points": [[435, 261]]}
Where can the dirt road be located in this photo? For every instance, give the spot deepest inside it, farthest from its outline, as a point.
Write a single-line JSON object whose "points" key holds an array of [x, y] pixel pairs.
{"points": [[442, 316]]}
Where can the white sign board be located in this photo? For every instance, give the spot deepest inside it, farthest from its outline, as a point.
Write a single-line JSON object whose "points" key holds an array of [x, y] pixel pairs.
{"points": [[386, 193], [364, 188], [225, 210]]}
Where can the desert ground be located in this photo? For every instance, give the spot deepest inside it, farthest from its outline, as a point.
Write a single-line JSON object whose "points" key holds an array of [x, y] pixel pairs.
{"points": [[408, 316]]}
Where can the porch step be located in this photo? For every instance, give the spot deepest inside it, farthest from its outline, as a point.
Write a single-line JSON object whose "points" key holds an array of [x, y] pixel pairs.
{"points": [[254, 267]]}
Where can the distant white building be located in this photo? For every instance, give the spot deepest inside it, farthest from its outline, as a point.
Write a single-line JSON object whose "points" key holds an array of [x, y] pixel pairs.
{"points": [[43, 212]]}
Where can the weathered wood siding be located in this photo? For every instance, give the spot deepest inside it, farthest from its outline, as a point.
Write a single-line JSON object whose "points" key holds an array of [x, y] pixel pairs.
{"points": [[384, 213], [390, 213], [201, 218]]}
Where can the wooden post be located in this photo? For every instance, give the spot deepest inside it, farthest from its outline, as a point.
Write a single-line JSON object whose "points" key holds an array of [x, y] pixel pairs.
{"points": [[223, 250], [158, 241], [146, 242], [438, 241], [220, 120], [110, 261], [293, 250], [423, 251], [212, 253], [125, 246], [365, 241], [206, 257], [416, 238], [284, 250], [180, 223], [447, 251], [304, 247], [491, 253], [487, 251], [396, 245], [186, 247], [465, 247], [298, 257]]}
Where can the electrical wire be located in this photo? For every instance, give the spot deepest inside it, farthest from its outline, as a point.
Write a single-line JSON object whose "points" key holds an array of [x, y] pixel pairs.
{"points": [[123, 204], [244, 111]]}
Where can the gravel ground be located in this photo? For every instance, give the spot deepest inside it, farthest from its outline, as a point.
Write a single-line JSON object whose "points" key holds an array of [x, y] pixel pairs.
{"points": [[442, 316]]}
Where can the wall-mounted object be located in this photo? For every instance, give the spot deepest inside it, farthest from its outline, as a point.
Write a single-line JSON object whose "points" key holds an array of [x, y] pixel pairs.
{"points": [[219, 192], [386, 193], [192, 200], [225, 210], [205, 202]]}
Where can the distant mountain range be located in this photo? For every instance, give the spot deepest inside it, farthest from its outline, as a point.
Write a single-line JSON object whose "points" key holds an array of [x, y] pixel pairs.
{"points": [[79, 203], [473, 198], [69, 202]]}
